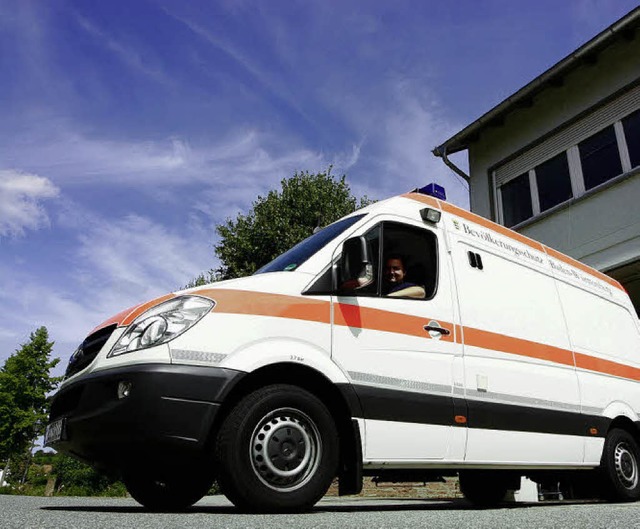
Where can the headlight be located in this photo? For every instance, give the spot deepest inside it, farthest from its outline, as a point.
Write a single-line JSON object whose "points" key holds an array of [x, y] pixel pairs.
{"points": [[162, 323]]}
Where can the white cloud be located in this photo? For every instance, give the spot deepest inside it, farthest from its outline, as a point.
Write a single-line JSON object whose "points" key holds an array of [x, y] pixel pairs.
{"points": [[415, 127], [228, 173], [396, 139], [70, 157], [118, 263], [139, 62], [271, 83], [136, 257], [27, 302], [21, 195]]}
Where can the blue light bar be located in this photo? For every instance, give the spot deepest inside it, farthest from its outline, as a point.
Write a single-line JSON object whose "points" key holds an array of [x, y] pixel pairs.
{"points": [[434, 190]]}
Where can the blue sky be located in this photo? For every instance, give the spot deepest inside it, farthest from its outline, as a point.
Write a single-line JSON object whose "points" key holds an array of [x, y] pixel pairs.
{"points": [[131, 128]]}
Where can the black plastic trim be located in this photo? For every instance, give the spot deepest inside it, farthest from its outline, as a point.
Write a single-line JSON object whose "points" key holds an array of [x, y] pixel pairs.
{"points": [[169, 407], [88, 350], [406, 406], [499, 416]]}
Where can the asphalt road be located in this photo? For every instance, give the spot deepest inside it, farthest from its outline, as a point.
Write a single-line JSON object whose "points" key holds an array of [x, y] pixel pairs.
{"points": [[334, 513]]}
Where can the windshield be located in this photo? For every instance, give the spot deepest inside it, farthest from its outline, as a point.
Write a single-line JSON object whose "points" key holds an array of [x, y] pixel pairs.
{"points": [[292, 259]]}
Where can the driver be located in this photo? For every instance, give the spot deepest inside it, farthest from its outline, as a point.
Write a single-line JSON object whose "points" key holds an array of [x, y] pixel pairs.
{"points": [[395, 283]]}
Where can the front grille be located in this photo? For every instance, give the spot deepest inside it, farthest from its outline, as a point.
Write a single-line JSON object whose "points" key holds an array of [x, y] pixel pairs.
{"points": [[88, 350], [65, 402]]}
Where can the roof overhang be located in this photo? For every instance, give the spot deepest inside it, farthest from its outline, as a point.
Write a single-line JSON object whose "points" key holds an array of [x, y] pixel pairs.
{"points": [[523, 98]]}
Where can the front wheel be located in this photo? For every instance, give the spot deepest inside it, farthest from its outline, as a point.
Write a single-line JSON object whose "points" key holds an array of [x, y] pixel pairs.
{"points": [[483, 488], [277, 450], [619, 467], [170, 493]]}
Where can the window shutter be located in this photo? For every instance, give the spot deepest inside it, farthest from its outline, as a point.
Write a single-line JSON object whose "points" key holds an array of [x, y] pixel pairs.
{"points": [[570, 136]]}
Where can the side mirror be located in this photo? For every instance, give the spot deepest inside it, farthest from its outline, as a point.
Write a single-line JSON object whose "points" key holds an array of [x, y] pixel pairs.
{"points": [[355, 269]]}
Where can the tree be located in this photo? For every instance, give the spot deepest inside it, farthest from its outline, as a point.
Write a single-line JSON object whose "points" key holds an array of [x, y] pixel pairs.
{"points": [[204, 278], [73, 476], [25, 381], [280, 220]]}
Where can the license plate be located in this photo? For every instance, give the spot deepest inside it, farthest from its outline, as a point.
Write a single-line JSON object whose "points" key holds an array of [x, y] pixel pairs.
{"points": [[54, 431]]}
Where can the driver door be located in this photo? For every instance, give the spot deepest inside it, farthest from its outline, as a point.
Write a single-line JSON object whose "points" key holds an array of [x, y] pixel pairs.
{"points": [[401, 353]]}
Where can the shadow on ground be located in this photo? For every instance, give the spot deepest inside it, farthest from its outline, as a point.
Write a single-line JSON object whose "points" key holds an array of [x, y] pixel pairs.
{"points": [[347, 505]]}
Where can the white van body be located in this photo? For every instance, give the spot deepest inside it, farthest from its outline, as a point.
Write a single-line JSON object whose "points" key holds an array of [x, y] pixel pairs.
{"points": [[530, 361]]}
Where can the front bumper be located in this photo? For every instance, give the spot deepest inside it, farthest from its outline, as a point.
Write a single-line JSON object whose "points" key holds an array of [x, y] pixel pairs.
{"points": [[170, 411]]}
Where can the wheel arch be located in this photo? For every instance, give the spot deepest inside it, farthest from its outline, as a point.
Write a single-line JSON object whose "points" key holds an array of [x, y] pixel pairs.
{"points": [[340, 400], [621, 415], [625, 423]]}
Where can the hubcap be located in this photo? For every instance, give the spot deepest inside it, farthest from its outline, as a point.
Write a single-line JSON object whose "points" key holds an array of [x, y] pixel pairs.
{"points": [[285, 449], [626, 466]]}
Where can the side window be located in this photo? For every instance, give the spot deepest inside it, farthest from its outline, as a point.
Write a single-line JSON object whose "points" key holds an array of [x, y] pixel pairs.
{"points": [[404, 265], [409, 262]]}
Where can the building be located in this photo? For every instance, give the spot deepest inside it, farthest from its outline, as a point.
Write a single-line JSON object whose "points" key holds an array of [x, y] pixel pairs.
{"points": [[559, 160]]}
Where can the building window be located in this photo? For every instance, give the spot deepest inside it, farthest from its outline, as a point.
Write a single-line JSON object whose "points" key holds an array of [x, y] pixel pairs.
{"points": [[554, 181], [600, 158], [516, 200], [631, 125], [605, 156]]}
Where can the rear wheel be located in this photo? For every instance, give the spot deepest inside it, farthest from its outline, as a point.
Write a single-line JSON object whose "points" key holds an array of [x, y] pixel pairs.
{"points": [[483, 488], [619, 467], [277, 450]]}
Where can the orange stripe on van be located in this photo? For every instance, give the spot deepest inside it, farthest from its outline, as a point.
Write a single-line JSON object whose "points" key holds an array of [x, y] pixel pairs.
{"points": [[145, 306], [266, 304], [345, 314], [384, 320], [114, 319], [425, 199], [520, 347], [517, 346], [311, 309], [472, 217], [581, 266], [128, 315], [486, 223], [458, 333], [608, 367]]}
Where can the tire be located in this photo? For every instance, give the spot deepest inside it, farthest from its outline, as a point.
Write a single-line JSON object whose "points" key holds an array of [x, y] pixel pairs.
{"points": [[619, 467], [168, 493], [277, 451], [483, 488]]}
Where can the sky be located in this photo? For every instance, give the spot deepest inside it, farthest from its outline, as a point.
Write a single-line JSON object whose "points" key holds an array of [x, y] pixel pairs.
{"points": [[130, 128]]}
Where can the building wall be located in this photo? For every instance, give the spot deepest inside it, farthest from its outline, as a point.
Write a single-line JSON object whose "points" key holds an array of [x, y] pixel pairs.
{"points": [[616, 67], [602, 230], [601, 227]]}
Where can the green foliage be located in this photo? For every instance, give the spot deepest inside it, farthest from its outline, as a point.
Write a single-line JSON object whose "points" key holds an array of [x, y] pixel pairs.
{"points": [[24, 384], [203, 279], [73, 475], [281, 219], [37, 475], [17, 467], [72, 478], [40, 457]]}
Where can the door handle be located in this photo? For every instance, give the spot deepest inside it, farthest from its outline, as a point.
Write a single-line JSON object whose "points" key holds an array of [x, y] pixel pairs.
{"points": [[435, 328]]}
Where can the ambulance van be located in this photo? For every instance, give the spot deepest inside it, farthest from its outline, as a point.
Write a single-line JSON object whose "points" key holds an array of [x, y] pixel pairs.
{"points": [[408, 341]]}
